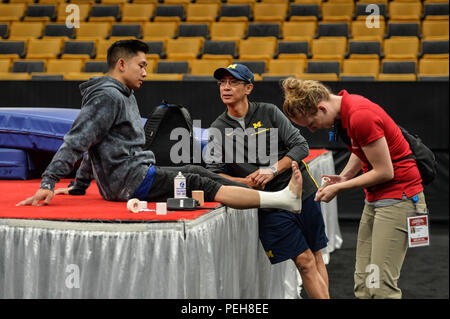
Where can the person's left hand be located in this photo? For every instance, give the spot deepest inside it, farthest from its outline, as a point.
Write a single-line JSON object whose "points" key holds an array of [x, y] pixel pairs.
{"points": [[261, 176], [63, 191], [326, 194]]}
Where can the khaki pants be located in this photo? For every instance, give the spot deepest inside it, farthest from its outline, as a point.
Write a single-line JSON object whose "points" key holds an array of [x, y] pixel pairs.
{"points": [[381, 249]]}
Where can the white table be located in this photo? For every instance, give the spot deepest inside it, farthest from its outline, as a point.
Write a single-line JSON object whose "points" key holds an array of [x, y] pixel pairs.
{"points": [[217, 255]]}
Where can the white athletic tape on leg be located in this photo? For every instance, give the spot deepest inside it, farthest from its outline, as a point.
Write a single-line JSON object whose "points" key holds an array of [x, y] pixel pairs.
{"points": [[284, 199]]}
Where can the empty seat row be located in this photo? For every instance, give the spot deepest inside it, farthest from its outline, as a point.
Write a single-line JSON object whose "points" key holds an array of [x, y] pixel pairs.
{"points": [[225, 30], [248, 49], [208, 12], [170, 70]]}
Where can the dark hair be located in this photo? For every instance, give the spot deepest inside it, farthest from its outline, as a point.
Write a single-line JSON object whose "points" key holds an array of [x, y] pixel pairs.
{"points": [[124, 49]]}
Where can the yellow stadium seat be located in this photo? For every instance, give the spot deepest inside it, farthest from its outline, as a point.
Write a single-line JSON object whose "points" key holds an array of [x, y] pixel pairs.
{"points": [[12, 76], [385, 2], [104, 12], [137, 12], [228, 31], [177, 1], [146, 1], [49, 14], [361, 67], [82, 1], [433, 67], [164, 77], [342, 12], [80, 76], [183, 49], [270, 12], [51, 1], [102, 48], [278, 67], [250, 2], [257, 49], [64, 66], [155, 31], [319, 2], [78, 50], [329, 49], [299, 31], [396, 77], [401, 48], [43, 48], [11, 11], [318, 76], [89, 31], [12, 49], [25, 30], [435, 29], [175, 14], [5, 65], [360, 31], [209, 1], [405, 11], [202, 12], [114, 1], [207, 67], [62, 14], [22, 1], [151, 65]]}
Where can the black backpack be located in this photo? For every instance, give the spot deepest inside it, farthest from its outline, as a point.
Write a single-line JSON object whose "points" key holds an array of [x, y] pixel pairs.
{"points": [[158, 128], [425, 159]]}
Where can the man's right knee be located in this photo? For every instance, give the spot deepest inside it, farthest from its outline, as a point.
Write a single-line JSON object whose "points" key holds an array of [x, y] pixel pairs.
{"points": [[305, 262]]}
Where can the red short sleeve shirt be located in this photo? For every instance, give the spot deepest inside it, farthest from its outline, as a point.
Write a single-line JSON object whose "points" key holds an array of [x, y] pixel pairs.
{"points": [[366, 122]]}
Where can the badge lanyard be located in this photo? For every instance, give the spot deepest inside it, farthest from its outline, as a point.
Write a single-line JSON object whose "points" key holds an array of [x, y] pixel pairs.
{"points": [[418, 232]]}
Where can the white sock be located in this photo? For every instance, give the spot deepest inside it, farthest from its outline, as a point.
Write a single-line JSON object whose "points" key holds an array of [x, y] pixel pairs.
{"points": [[284, 199]]}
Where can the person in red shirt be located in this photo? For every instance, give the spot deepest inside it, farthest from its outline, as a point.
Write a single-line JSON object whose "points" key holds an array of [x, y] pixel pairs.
{"points": [[393, 185]]}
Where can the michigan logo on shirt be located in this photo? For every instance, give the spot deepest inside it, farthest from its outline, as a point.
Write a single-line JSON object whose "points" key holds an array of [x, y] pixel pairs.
{"points": [[256, 125]]}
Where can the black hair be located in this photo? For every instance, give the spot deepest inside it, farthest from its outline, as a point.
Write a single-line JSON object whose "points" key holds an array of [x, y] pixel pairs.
{"points": [[124, 49]]}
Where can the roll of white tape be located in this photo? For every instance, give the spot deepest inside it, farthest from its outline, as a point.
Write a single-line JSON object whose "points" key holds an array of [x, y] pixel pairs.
{"points": [[325, 181], [133, 205]]}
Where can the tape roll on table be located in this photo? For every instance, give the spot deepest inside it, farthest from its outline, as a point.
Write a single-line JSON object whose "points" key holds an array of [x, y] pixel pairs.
{"points": [[133, 205]]}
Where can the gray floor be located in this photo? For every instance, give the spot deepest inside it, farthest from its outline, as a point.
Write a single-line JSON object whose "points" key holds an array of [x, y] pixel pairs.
{"points": [[424, 274]]}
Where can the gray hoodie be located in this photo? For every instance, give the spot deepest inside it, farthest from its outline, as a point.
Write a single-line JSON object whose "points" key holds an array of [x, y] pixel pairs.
{"points": [[109, 128]]}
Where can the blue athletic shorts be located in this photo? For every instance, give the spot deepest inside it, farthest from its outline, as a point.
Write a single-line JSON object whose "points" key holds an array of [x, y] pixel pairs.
{"points": [[285, 235]]}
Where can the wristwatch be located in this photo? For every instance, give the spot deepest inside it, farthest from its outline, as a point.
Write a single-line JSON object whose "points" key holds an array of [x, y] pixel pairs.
{"points": [[274, 170]]}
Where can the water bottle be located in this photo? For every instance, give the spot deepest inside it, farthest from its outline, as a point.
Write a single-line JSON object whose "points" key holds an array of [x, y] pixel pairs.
{"points": [[179, 184]]}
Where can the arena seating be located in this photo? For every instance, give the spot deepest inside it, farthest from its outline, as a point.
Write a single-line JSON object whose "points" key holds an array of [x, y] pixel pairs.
{"points": [[304, 31]]}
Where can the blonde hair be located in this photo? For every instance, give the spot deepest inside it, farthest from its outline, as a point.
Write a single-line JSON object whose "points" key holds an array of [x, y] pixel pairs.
{"points": [[302, 96]]}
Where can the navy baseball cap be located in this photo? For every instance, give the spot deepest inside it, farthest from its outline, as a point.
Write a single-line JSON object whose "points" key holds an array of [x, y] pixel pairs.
{"points": [[239, 71]]}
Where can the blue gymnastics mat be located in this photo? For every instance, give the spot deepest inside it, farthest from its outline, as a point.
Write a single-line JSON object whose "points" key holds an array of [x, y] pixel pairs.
{"points": [[40, 129]]}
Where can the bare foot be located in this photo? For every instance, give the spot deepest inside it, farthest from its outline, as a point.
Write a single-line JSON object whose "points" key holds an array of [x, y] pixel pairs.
{"points": [[296, 183]]}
